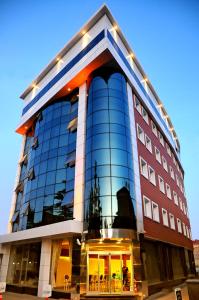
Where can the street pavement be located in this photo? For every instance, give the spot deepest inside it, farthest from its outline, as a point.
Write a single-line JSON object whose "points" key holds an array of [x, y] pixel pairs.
{"points": [[13, 296]]}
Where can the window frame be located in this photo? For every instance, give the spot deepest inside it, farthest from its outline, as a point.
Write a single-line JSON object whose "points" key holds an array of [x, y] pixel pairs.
{"points": [[161, 184], [172, 224], [137, 104], [158, 155], [164, 163], [149, 175], [179, 225], [155, 218], [175, 198], [154, 128], [161, 139], [148, 145], [165, 212], [145, 115], [168, 188], [141, 168], [172, 174], [139, 135], [145, 208]]}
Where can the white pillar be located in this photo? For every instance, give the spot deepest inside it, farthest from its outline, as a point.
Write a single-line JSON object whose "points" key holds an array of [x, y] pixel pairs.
{"points": [[14, 195], [139, 212], [44, 269], [5, 250], [80, 154]]}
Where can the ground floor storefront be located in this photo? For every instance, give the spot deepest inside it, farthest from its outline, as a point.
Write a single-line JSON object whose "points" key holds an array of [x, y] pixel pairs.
{"points": [[93, 267]]}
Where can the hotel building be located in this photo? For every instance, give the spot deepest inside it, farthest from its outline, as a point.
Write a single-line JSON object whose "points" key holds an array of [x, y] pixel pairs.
{"points": [[99, 204]]}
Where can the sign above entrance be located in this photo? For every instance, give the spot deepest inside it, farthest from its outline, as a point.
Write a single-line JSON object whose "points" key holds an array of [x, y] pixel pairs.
{"points": [[47, 291], [2, 287]]}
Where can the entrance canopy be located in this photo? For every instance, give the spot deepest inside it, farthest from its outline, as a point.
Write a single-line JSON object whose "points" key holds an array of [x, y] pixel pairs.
{"points": [[53, 230]]}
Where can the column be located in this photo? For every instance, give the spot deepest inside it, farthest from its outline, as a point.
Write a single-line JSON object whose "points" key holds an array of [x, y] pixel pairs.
{"points": [[44, 269], [80, 155], [5, 250], [139, 212]]}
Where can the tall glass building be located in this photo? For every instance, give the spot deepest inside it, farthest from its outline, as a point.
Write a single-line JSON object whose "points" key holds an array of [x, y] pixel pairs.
{"points": [[99, 205]]}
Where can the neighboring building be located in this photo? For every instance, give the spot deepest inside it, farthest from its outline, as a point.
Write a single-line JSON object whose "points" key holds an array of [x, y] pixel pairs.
{"points": [[99, 200], [196, 254]]}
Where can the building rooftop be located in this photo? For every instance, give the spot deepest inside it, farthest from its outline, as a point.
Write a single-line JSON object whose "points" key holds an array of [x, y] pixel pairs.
{"points": [[104, 10]]}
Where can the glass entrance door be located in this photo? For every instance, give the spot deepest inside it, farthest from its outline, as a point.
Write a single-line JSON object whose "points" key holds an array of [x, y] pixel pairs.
{"points": [[109, 273], [104, 270], [116, 274]]}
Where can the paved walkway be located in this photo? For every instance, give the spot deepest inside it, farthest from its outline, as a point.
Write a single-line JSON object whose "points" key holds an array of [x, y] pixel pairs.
{"points": [[13, 296]]}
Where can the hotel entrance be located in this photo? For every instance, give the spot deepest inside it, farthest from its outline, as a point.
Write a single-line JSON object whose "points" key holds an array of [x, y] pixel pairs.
{"points": [[109, 272]]}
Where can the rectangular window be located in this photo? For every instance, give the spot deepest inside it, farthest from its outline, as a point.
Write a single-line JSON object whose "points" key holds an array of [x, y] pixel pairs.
{"points": [[175, 198], [184, 208], [155, 212], [179, 224], [138, 105], [177, 180], [180, 203], [143, 167], [145, 115], [165, 217], [168, 150], [181, 187], [152, 178], [154, 128], [161, 184], [168, 191], [174, 160], [172, 173], [172, 221], [187, 230], [184, 229], [147, 207], [140, 134], [164, 163], [148, 143], [157, 155], [161, 138]]}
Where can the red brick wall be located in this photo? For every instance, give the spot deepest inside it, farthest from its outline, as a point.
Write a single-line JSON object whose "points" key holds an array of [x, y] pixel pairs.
{"points": [[153, 229]]}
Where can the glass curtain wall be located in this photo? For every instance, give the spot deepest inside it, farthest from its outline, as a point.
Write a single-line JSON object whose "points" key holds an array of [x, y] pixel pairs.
{"points": [[109, 191], [46, 186]]}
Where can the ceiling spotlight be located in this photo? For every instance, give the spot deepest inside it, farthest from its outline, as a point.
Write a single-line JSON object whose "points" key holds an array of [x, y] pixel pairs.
{"points": [[35, 86]]}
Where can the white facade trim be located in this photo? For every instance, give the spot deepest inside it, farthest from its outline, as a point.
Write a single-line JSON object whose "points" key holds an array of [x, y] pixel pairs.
{"points": [[65, 227], [80, 155], [45, 264], [139, 210]]}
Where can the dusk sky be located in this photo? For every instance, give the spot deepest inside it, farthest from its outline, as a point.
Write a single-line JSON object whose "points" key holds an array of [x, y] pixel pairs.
{"points": [[165, 38]]}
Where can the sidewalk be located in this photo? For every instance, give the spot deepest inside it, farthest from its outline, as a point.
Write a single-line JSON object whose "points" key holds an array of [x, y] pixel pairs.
{"points": [[13, 296]]}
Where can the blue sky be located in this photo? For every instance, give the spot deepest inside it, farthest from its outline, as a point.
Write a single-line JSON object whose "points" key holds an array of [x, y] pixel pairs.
{"points": [[163, 34]]}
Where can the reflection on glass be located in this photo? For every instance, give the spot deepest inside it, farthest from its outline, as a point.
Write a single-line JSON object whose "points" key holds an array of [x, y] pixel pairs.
{"points": [[109, 273], [24, 265], [61, 266], [46, 151], [109, 173]]}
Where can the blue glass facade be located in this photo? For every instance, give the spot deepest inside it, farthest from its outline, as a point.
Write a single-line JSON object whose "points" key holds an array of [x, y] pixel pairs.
{"points": [[46, 187], [109, 180]]}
